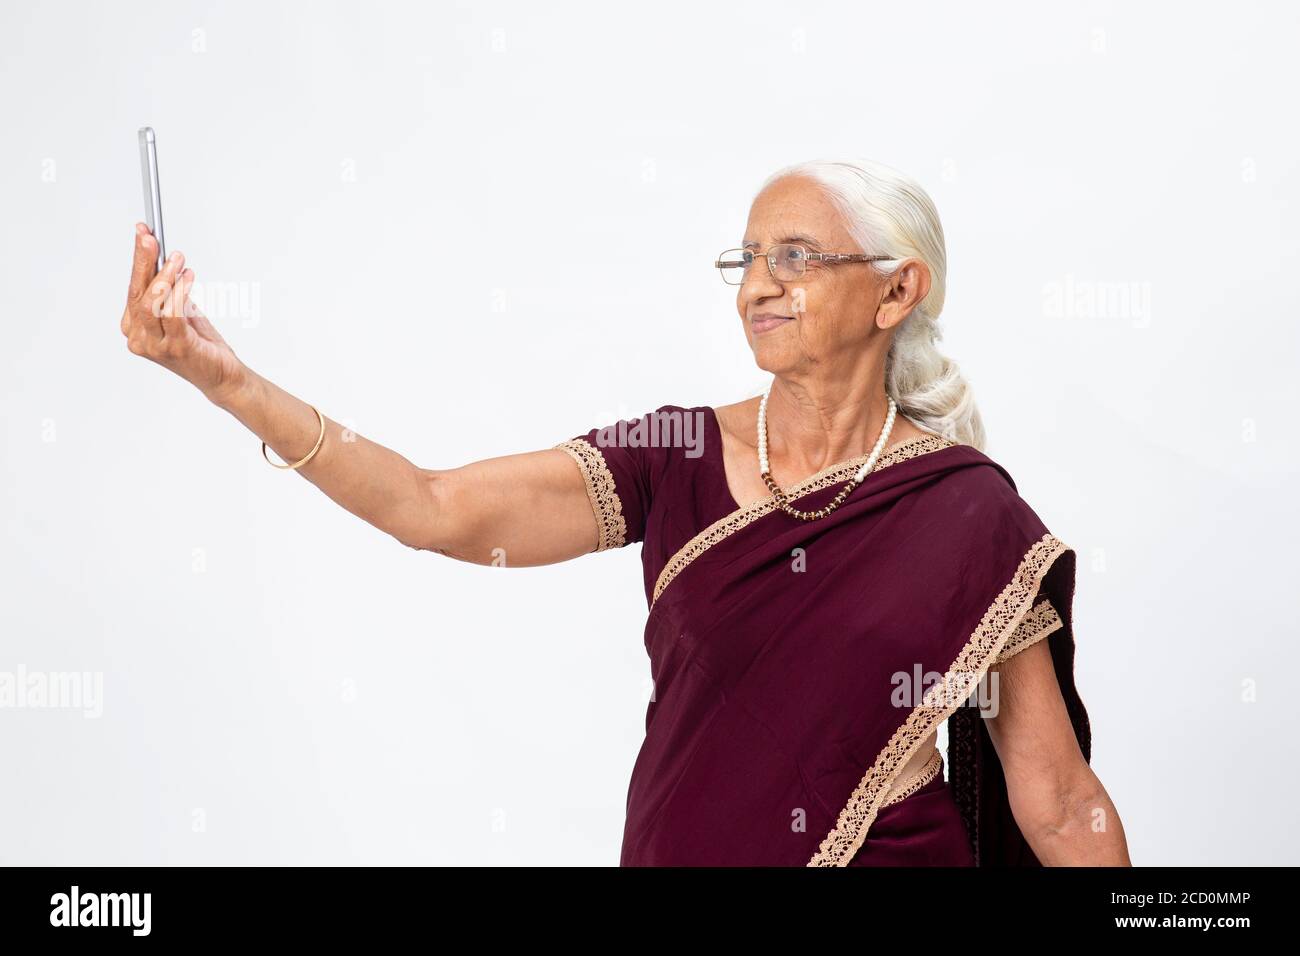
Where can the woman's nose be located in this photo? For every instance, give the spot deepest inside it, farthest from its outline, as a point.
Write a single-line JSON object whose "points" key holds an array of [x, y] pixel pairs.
{"points": [[758, 277]]}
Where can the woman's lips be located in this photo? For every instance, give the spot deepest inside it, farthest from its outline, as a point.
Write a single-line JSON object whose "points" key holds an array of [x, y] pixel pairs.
{"points": [[767, 320]]}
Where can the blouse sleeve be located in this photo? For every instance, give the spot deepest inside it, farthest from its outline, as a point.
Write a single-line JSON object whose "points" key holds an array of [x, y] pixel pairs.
{"points": [[1043, 619], [617, 473]]}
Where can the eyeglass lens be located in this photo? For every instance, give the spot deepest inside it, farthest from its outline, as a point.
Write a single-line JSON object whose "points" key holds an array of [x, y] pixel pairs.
{"points": [[787, 260]]}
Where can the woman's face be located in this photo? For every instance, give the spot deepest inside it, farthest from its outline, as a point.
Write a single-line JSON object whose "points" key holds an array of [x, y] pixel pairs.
{"points": [[827, 316]]}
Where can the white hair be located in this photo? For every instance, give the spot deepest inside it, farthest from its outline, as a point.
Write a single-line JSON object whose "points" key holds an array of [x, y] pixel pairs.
{"points": [[888, 213]]}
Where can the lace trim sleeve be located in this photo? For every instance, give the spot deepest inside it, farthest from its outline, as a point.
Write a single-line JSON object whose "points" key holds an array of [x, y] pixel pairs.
{"points": [[605, 503], [1038, 623]]}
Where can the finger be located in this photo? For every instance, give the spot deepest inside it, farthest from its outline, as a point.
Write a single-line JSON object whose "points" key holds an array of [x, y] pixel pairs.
{"points": [[174, 324], [144, 261], [160, 289]]}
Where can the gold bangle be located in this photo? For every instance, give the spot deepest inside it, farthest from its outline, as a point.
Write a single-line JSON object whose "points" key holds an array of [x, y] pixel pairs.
{"points": [[299, 464]]}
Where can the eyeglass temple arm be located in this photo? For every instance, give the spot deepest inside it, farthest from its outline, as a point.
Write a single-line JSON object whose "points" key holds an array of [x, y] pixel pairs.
{"points": [[822, 257]]}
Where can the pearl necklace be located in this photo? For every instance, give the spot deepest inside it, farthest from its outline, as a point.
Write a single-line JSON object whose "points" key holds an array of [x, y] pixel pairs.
{"points": [[765, 468]]}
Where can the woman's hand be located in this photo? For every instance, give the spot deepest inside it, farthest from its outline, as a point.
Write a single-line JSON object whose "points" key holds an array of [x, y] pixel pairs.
{"points": [[163, 325]]}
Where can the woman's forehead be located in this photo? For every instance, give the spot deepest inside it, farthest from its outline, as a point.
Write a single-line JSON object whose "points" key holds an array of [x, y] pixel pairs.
{"points": [[817, 235], [794, 210], [802, 238]]}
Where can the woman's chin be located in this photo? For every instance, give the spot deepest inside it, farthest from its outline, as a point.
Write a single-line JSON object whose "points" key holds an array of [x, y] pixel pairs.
{"points": [[770, 358]]}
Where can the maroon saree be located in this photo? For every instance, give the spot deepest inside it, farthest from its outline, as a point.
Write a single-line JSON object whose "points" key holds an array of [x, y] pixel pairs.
{"points": [[799, 666]]}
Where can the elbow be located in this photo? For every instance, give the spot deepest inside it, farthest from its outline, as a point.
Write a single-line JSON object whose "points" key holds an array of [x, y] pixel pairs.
{"points": [[432, 523], [1069, 810], [1069, 821], [1048, 796], [417, 526], [415, 545]]}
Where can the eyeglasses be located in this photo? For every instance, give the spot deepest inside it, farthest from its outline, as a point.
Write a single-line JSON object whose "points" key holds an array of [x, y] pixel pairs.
{"points": [[785, 261]]}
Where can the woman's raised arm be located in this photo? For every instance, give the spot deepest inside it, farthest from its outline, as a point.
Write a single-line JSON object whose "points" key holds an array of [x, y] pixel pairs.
{"points": [[519, 510]]}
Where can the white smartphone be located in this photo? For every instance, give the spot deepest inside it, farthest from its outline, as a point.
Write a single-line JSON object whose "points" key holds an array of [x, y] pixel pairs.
{"points": [[152, 192]]}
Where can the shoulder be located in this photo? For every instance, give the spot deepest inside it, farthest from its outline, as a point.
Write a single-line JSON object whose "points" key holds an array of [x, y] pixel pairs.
{"points": [[984, 496], [656, 434], [647, 444], [1003, 545], [624, 464]]}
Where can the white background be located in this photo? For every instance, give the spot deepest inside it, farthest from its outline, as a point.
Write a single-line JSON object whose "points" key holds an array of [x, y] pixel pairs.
{"points": [[476, 229]]}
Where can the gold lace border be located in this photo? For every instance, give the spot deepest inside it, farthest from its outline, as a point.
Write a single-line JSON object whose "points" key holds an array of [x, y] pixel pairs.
{"points": [[601, 491], [1038, 623], [906, 787], [981, 650], [726, 526]]}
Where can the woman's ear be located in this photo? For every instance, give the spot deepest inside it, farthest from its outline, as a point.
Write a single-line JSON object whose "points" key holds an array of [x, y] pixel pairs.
{"points": [[905, 288]]}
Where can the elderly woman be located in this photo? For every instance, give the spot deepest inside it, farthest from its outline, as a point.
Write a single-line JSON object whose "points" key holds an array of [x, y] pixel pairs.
{"points": [[833, 568]]}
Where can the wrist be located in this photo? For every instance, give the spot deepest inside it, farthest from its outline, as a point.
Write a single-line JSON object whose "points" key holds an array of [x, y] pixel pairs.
{"points": [[236, 393]]}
